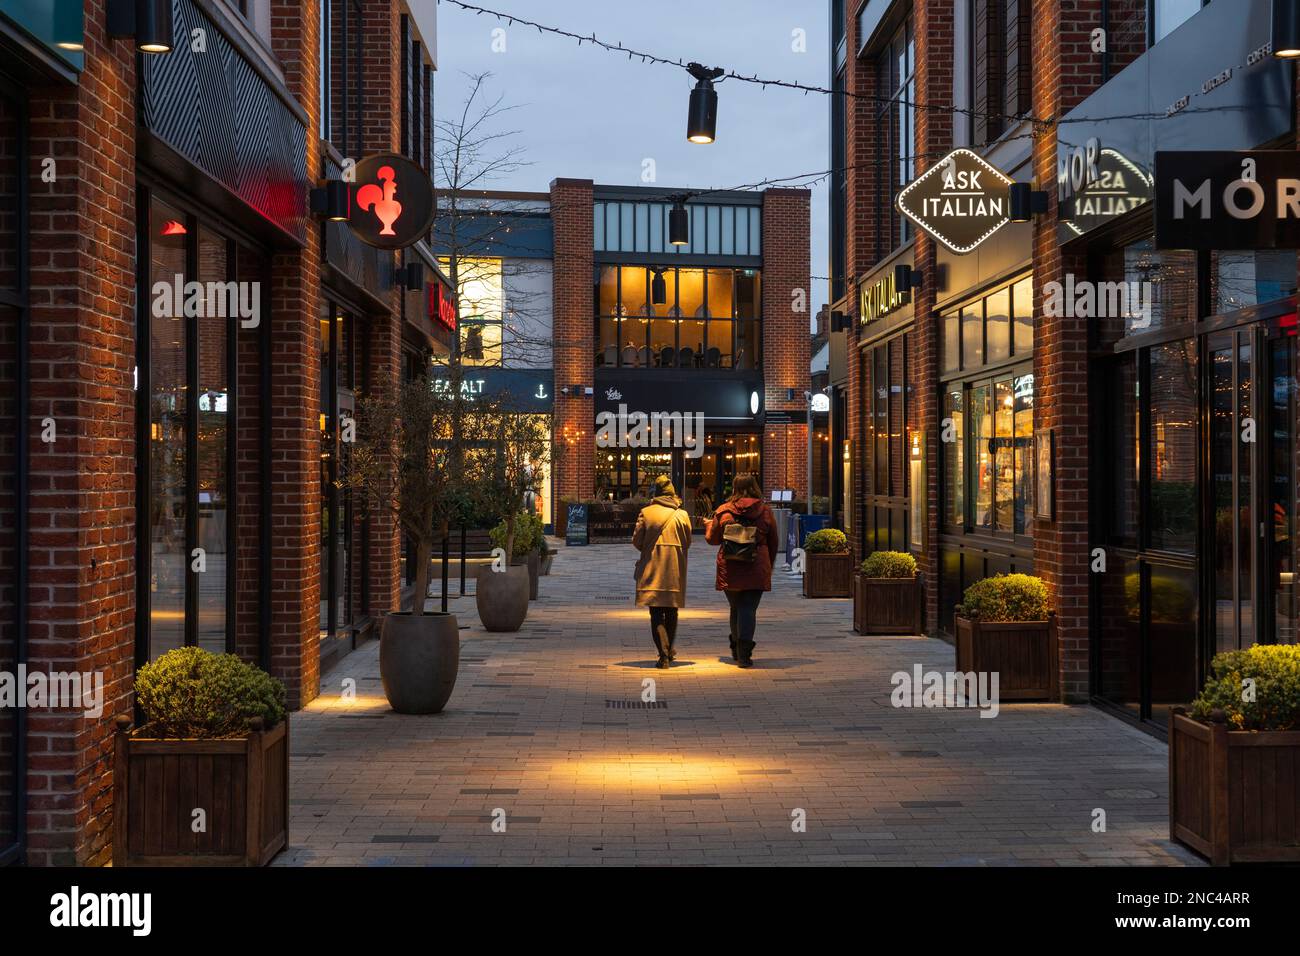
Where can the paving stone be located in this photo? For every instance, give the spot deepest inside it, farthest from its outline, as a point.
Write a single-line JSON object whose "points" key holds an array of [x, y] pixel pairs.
{"points": [[598, 758]]}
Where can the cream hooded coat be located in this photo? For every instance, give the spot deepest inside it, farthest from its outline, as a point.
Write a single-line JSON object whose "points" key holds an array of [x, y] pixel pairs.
{"points": [[661, 571]]}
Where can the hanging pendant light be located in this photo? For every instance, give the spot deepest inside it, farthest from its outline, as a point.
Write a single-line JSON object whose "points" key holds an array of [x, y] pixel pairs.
{"points": [[702, 118], [679, 230], [658, 288], [1286, 29]]}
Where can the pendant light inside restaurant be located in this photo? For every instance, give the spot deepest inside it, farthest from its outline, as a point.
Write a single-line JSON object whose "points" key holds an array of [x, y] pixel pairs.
{"points": [[658, 288]]}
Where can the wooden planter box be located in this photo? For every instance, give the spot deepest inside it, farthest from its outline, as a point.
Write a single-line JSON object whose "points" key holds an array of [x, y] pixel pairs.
{"points": [[241, 783], [828, 575], [1023, 654], [887, 605], [1233, 794]]}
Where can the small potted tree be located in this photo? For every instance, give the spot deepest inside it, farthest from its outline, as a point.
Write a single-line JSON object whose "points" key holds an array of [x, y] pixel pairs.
{"points": [[1234, 793], [1004, 625], [213, 750], [828, 566], [415, 457], [528, 546], [887, 594], [515, 455]]}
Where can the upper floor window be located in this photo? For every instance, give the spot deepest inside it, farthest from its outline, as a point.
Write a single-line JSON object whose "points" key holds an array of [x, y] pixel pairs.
{"points": [[896, 144], [1168, 15], [706, 319], [417, 98], [340, 75], [715, 230]]}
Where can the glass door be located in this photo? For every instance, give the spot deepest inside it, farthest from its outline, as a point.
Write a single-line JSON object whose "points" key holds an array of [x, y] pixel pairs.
{"points": [[1280, 537], [1235, 436]]}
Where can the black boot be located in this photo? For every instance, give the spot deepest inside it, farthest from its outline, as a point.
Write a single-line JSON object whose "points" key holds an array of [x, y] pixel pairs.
{"points": [[734, 654], [664, 642], [746, 658]]}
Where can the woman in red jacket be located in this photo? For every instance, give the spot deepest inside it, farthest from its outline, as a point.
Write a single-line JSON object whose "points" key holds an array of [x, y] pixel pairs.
{"points": [[746, 530]]}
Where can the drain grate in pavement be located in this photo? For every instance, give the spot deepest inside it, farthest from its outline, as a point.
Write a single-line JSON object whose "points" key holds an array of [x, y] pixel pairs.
{"points": [[690, 796], [1137, 793], [636, 704], [404, 838], [919, 753], [488, 791], [592, 667]]}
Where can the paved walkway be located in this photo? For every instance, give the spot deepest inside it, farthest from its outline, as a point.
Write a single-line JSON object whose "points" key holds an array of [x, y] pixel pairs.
{"points": [[547, 731]]}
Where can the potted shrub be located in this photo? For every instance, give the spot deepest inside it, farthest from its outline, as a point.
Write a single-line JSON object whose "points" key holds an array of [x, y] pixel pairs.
{"points": [[415, 456], [516, 454], [215, 739], [1004, 625], [1233, 760], [828, 566], [887, 594], [529, 542]]}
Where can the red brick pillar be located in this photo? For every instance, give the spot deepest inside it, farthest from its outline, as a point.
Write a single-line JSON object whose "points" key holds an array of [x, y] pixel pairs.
{"points": [[381, 132], [786, 336], [295, 303], [1062, 78], [860, 245], [934, 58], [81, 556], [574, 335]]}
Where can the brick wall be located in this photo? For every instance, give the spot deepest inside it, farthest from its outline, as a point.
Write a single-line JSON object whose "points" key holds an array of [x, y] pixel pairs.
{"points": [[934, 131], [571, 212], [82, 505], [1066, 71], [786, 335], [295, 302]]}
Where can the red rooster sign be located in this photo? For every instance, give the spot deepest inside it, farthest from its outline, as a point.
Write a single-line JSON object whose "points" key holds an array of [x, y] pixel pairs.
{"points": [[382, 202]]}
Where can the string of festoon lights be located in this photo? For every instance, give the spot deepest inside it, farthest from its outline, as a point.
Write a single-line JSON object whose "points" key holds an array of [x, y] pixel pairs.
{"points": [[702, 111]]}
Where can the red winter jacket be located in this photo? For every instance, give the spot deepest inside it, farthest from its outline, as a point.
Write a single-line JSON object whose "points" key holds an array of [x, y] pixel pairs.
{"points": [[753, 575]]}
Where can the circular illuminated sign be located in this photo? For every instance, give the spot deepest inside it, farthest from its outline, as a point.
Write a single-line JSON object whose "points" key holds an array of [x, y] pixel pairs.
{"points": [[392, 202], [753, 403]]}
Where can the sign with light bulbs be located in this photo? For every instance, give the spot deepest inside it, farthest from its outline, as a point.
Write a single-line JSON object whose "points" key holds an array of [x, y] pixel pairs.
{"points": [[961, 200]]}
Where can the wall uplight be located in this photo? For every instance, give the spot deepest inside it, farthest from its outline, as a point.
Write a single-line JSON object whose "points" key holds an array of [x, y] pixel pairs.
{"points": [[148, 22]]}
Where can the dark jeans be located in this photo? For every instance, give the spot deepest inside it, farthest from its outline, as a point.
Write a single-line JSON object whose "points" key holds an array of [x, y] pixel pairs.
{"points": [[744, 614], [667, 616]]}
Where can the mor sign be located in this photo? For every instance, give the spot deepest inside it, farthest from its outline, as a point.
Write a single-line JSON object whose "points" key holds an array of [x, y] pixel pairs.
{"points": [[961, 200], [392, 202], [1228, 200]]}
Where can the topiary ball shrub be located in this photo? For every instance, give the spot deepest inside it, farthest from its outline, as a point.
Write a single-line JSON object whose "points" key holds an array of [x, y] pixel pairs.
{"points": [[826, 541], [1006, 598], [191, 693], [1275, 694], [889, 564]]}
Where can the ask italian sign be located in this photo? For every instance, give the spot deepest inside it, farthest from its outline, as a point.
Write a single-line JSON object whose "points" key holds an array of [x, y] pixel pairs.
{"points": [[961, 200]]}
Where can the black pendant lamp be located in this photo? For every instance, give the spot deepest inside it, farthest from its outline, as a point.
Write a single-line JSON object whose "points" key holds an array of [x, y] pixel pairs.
{"points": [[679, 231], [1286, 29], [147, 22], [658, 288], [702, 119]]}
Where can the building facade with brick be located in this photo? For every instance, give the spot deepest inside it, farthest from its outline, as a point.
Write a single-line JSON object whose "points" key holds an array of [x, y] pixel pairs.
{"points": [[181, 339], [989, 429]]}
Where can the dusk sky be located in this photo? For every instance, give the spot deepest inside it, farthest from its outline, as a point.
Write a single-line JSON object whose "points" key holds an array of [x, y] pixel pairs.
{"points": [[586, 113]]}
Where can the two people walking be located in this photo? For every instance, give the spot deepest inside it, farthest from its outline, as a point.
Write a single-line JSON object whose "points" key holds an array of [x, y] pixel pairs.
{"points": [[742, 528]]}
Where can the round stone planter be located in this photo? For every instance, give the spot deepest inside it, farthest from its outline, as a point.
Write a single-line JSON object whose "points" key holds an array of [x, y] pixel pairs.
{"points": [[534, 564], [419, 656], [502, 597]]}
